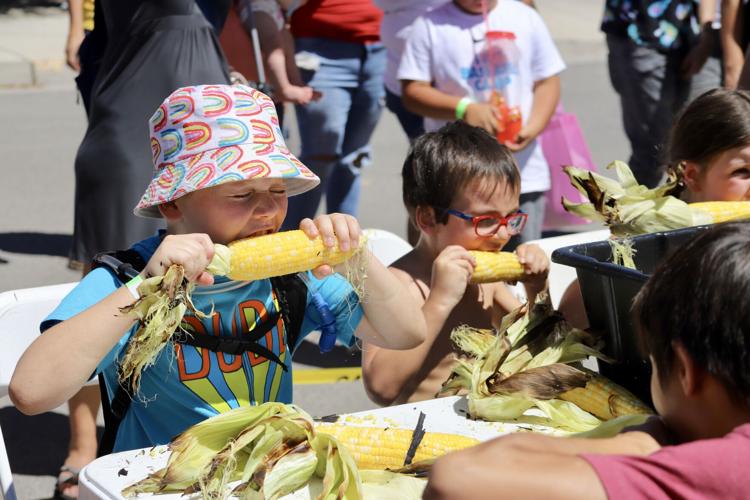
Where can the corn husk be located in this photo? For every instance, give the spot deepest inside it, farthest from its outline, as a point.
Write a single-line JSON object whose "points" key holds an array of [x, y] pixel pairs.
{"points": [[266, 452], [627, 207], [530, 362], [387, 485], [163, 302], [613, 427]]}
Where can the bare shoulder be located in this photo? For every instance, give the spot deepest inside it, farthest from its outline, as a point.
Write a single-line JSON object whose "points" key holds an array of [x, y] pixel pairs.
{"points": [[416, 286], [414, 273]]}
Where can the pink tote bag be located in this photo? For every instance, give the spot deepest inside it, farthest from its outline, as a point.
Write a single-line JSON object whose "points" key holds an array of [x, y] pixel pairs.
{"points": [[563, 144]]}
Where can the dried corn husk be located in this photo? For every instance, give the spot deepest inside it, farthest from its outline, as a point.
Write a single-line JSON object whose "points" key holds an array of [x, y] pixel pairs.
{"points": [[530, 362]]}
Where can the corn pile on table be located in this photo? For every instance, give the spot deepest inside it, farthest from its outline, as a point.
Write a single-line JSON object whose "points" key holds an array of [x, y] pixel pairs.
{"points": [[107, 476]]}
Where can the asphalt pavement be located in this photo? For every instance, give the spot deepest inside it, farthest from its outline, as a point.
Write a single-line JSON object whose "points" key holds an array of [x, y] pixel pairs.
{"points": [[41, 125]]}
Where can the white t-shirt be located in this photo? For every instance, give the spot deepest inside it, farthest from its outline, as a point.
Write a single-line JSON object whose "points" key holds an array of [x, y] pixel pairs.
{"points": [[398, 17], [447, 48]]}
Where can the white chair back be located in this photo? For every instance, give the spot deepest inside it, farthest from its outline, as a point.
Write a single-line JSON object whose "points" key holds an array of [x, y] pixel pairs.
{"points": [[21, 312], [560, 276], [386, 246]]}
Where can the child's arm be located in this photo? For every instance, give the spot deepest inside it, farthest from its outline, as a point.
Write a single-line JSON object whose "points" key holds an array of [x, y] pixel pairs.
{"points": [[391, 318], [60, 361], [530, 466], [386, 373], [276, 54], [731, 36], [700, 52], [425, 100], [546, 97]]}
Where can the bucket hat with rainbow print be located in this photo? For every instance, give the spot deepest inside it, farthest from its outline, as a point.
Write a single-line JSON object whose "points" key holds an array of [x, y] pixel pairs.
{"points": [[207, 135]]}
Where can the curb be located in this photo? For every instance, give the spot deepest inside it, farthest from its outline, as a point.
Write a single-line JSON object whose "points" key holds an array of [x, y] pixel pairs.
{"points": [[21, 72]]}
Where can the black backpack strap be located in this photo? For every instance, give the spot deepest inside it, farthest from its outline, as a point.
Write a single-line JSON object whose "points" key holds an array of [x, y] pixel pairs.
{"points": [[235, 345], [113, 412], [125, 264], [291, 293]]}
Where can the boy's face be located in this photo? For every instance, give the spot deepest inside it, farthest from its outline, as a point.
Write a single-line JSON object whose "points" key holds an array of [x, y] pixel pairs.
{"points": [[475, 6], [234, 210], [481, 197]]}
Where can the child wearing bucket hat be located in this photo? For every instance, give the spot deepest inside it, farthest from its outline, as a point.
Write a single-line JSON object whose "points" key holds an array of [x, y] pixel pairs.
{"points": [[222, 173]]}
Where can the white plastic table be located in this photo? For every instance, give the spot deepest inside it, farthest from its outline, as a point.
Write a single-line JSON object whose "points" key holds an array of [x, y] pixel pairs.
{"points": [[106, 477]]}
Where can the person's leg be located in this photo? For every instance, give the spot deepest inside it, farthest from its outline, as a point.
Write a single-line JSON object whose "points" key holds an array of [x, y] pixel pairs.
{"points": [[411, 123], [322, 123], [367, 104], [413, 126], [83, 408], [638, 75]]}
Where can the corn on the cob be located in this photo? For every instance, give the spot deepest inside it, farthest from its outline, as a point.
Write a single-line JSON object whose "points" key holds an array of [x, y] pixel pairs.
{"points": [[281, 253], [381, 448], [496, 266], [713, 212], [605, 399]]}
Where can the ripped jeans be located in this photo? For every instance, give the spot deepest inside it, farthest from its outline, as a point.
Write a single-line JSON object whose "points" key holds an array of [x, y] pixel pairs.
{"points": [[335, 131]]}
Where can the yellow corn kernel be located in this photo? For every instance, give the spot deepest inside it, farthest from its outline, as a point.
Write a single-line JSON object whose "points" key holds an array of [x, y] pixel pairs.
{"points": [[279, 254], [713, 212], [496, 266], [381, 448], [604, 399]]}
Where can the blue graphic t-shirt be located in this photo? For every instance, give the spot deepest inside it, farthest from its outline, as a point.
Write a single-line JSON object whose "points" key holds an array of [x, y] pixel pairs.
{"points": [[187, 384], [662, 24]]}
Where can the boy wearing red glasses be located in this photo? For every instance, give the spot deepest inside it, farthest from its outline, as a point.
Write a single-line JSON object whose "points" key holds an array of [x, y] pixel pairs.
{"points": [[462, 189]]}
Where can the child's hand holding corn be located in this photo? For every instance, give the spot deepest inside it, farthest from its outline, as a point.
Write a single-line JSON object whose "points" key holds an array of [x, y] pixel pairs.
{"points": [[332, 228], [536, 268], [451, 272], [192, 251]]}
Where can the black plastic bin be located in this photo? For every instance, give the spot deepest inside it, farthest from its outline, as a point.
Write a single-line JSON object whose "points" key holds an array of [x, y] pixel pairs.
{"points": [[608, 291]]}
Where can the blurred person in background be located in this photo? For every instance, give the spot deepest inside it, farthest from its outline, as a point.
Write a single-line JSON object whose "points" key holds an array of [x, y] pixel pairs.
{"points": [[150, 48], [657, 50], [339, 53]]}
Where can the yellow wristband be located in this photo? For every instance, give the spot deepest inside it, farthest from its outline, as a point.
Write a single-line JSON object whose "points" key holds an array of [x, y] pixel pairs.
{"points": [[132, 286], [461, 107]]}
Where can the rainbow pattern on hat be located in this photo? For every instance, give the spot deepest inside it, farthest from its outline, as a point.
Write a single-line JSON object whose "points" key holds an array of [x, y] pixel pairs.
{"points": [[181, 107], [196, 134], [202, 136]]}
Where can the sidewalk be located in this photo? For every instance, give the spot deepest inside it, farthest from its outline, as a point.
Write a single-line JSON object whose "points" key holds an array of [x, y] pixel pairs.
{"points": [[32, 43], [32, 40]]}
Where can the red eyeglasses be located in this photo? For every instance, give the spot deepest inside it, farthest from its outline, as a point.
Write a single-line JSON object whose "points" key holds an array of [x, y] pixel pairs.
{"points": [[488, 225]]}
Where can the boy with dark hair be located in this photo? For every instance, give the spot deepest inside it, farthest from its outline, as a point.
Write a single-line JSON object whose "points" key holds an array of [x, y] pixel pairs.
{"points": [[461, 188], [695, 327]]}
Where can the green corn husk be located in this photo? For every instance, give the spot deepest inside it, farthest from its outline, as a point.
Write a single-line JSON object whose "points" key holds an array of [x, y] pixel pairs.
{"points": [[162, 304], [221, 262], [291, 472], [387, 485], [613, 427], [341, 477], [627, 207], [269, 450], [528, 363], [194, 451]]}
